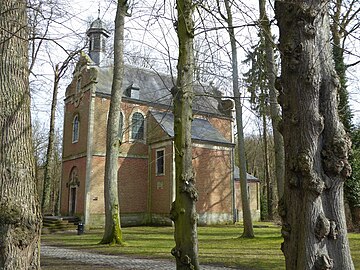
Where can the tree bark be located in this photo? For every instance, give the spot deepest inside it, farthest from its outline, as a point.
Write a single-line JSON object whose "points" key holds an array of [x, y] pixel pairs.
{"points": [[339, 33], [247, 219], [269, 183], [275, 113], [113, 233], [183, 211], [316, 145], [20, 217]]}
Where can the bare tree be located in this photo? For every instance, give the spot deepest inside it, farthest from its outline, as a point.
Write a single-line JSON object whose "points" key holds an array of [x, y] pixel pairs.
{"points": [[345, 25], [316, 145], [183, 211], [49, 183], [275, 113], [113, 233], [20, 220], [247, 219]]}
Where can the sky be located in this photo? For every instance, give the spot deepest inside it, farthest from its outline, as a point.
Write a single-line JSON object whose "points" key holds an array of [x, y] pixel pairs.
{"points": [[152, 38]]}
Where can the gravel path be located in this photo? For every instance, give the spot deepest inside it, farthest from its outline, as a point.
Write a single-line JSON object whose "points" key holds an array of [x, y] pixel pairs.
{"points": [[115, 261]]}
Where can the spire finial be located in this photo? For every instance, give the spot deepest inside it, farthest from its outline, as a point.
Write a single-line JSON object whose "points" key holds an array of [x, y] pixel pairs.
{"points": [[99, 11]]}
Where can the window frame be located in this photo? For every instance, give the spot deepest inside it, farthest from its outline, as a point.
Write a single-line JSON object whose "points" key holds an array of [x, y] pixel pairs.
{"points": [[75, 133], [121, 126], [131, 129], [78, 85], [157, 159]]}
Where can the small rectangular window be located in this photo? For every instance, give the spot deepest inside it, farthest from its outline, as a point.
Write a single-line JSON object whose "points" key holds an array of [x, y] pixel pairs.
{"points": [[160, 162]]}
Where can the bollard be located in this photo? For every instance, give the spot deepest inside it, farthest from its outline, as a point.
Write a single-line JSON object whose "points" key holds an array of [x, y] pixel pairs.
{"points": [[80, 228]]}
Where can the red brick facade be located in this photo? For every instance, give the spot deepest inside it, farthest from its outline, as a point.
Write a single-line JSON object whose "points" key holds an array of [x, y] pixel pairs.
{"points": [[145, 195]]}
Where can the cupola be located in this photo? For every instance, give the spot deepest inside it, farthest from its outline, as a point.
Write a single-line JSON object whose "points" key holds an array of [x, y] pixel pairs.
{"points": [[97, 34]]}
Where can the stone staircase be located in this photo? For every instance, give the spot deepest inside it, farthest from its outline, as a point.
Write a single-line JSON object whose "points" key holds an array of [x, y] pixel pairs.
{"points": [[52, 224]]}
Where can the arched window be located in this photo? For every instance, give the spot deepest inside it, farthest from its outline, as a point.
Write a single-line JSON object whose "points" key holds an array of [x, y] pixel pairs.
{"points": [[74, 177], [137, 126], [121, 126], [75, 129]]}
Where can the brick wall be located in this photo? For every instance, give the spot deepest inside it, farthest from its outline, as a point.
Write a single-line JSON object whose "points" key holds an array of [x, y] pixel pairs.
{"points": [[162, 185], [128, 147], [67, 166], [133, 185], [135, 179], [223, 125], [82, 110], [155, 133], [213, 180], [254, 188]]}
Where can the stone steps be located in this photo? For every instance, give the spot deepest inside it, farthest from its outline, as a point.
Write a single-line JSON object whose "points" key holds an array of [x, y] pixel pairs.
{"points": [[52, 224]]}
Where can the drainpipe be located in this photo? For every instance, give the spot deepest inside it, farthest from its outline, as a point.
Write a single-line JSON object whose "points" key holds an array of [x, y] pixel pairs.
{"points": [[149, 197], [173, 173], [234, 211], [89, 147]]}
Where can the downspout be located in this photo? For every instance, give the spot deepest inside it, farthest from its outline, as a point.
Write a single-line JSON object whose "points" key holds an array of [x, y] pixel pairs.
{"points": [[234, 214], [89, 146], [173, 173], [232, 184], [60, 212], [149, 198]]}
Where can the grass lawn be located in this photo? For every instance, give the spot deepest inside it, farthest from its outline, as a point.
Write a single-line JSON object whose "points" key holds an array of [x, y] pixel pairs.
{"points": [[217, 245]]}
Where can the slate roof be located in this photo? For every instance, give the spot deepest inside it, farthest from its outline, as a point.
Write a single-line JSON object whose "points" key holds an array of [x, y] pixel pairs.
{"points": [[155, 88], [201, 129], [249, 177], [98, 26]]}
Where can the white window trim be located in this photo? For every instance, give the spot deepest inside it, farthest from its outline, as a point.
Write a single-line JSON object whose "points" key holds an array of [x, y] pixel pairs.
{"points": [[123, 124], [130, 127], [75, 140], [78, 85], [156, 162]]}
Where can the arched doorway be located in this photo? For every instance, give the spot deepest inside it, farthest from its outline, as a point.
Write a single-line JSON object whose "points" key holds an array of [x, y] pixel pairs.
{"points": [[73, 186]]}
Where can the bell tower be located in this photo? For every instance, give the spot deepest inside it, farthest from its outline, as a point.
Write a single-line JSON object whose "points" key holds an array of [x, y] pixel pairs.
{"points": [[97, 34]]}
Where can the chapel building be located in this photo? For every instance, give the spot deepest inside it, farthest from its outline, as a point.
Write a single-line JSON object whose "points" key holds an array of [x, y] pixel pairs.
{"points": [[146, 176]]}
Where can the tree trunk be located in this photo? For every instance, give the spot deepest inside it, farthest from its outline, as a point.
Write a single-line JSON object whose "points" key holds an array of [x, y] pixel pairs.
{"points": [[269, 183], [20, 217], [183, 211], [274, 105], [247, 219], [338, 30], [316, 145], [339, 34], [113, 233], [46, 205]]}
